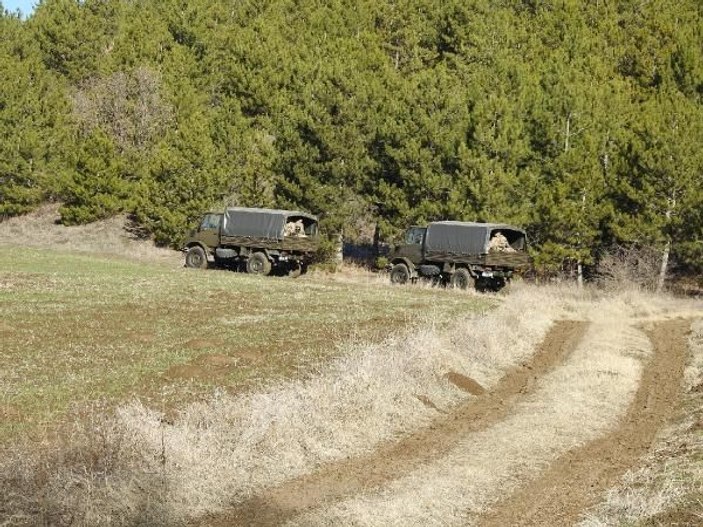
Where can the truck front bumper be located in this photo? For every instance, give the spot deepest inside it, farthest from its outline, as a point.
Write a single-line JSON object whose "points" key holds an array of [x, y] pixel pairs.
{"points": [[496, 274]]}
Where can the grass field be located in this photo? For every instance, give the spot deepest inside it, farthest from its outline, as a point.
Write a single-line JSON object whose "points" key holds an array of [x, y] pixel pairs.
{"points": [[316, 368], [78, 328], [182, 397]]}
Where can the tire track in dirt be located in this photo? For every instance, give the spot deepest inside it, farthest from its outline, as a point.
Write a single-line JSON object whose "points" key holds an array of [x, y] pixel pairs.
{"points": [[344, 478], [576, 480]]}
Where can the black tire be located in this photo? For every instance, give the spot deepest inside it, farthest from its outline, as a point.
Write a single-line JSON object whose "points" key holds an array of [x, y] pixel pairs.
{"points": [[400, 274], [462, 279], [497, 284], [196, 258], [493, 285], [295, 269], [258, 263]]}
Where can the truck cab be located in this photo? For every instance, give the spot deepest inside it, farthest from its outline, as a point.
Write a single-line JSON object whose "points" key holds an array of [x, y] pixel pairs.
{"points": [[412, 247], [208, 231]]}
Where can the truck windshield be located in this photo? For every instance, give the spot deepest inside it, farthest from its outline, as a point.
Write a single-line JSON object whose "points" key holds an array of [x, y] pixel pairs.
{"points": [[415, 236]]}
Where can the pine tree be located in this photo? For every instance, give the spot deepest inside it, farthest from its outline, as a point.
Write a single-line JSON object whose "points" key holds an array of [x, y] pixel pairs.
{"points": [[658, 192], [659, 189], [567, 118], [75, 36], [32, 122]]}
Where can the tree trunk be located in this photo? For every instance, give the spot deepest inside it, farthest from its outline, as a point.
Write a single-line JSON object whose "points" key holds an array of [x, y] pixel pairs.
{"points": [[376, 240], [579, 274], [664, 266], [339, 253], [671, 205]]}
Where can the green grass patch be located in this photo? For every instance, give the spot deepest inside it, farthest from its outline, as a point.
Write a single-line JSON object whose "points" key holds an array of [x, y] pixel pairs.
{"points": [[77, 328]]}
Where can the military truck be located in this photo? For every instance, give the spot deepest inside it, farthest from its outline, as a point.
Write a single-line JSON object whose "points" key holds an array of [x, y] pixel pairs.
{"points": [[260, 241], [461, 254]]}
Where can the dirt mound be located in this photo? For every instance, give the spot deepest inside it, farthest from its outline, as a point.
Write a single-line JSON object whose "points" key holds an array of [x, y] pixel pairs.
{"points": [[188, 372], [204, 367], [9, 412], [215, 360], [428, 403], [465, 383], [116, 236]]}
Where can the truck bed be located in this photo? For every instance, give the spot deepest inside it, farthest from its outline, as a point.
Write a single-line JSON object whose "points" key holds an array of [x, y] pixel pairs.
{"points": [[288, 243], [510, 260]]}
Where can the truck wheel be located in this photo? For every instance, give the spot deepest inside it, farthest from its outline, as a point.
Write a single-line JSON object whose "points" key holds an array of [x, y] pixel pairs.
{"points": [[295, 269], [497, 284], [196, 258], [400, 274], [462, 279], [490, 284], [258, 263]]}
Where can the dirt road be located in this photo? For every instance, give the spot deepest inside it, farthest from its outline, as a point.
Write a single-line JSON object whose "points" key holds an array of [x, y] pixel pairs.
{"points": [[575, 480], [558, 494]]}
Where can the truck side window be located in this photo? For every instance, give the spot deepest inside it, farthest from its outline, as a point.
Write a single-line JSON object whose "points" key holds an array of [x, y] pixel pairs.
{"points": [[414, 236], [210, 221]]}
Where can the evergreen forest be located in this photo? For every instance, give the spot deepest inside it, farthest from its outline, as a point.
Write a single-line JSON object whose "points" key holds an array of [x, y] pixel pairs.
{"points": [[580, 121]]}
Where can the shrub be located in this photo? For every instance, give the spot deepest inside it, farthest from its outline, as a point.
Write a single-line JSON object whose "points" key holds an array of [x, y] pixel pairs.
{"points": [[381, 263], [636, 267]]}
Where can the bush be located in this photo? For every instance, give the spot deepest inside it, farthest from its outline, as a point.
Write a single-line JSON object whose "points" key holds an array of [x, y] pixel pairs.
{"points": [[381, 263], [636, 267], [327, 251]]}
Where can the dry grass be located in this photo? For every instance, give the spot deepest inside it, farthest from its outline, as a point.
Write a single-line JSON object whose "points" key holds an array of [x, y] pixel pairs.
{"points": [[40, 229], [667, 488], [576, 403], [79, 328], [364, 397]]}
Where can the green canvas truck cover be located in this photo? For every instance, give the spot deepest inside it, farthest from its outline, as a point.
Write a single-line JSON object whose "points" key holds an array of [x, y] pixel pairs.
{"points": [[259, 223], [468, 238]]}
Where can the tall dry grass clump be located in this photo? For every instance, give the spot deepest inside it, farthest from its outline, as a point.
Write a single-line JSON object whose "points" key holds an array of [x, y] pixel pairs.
{"points": [[93, 473], [137, 466]]}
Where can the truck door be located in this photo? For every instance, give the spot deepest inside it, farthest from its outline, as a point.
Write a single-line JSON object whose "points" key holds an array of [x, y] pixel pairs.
{"points": [[414, 242], [209, 230]]}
